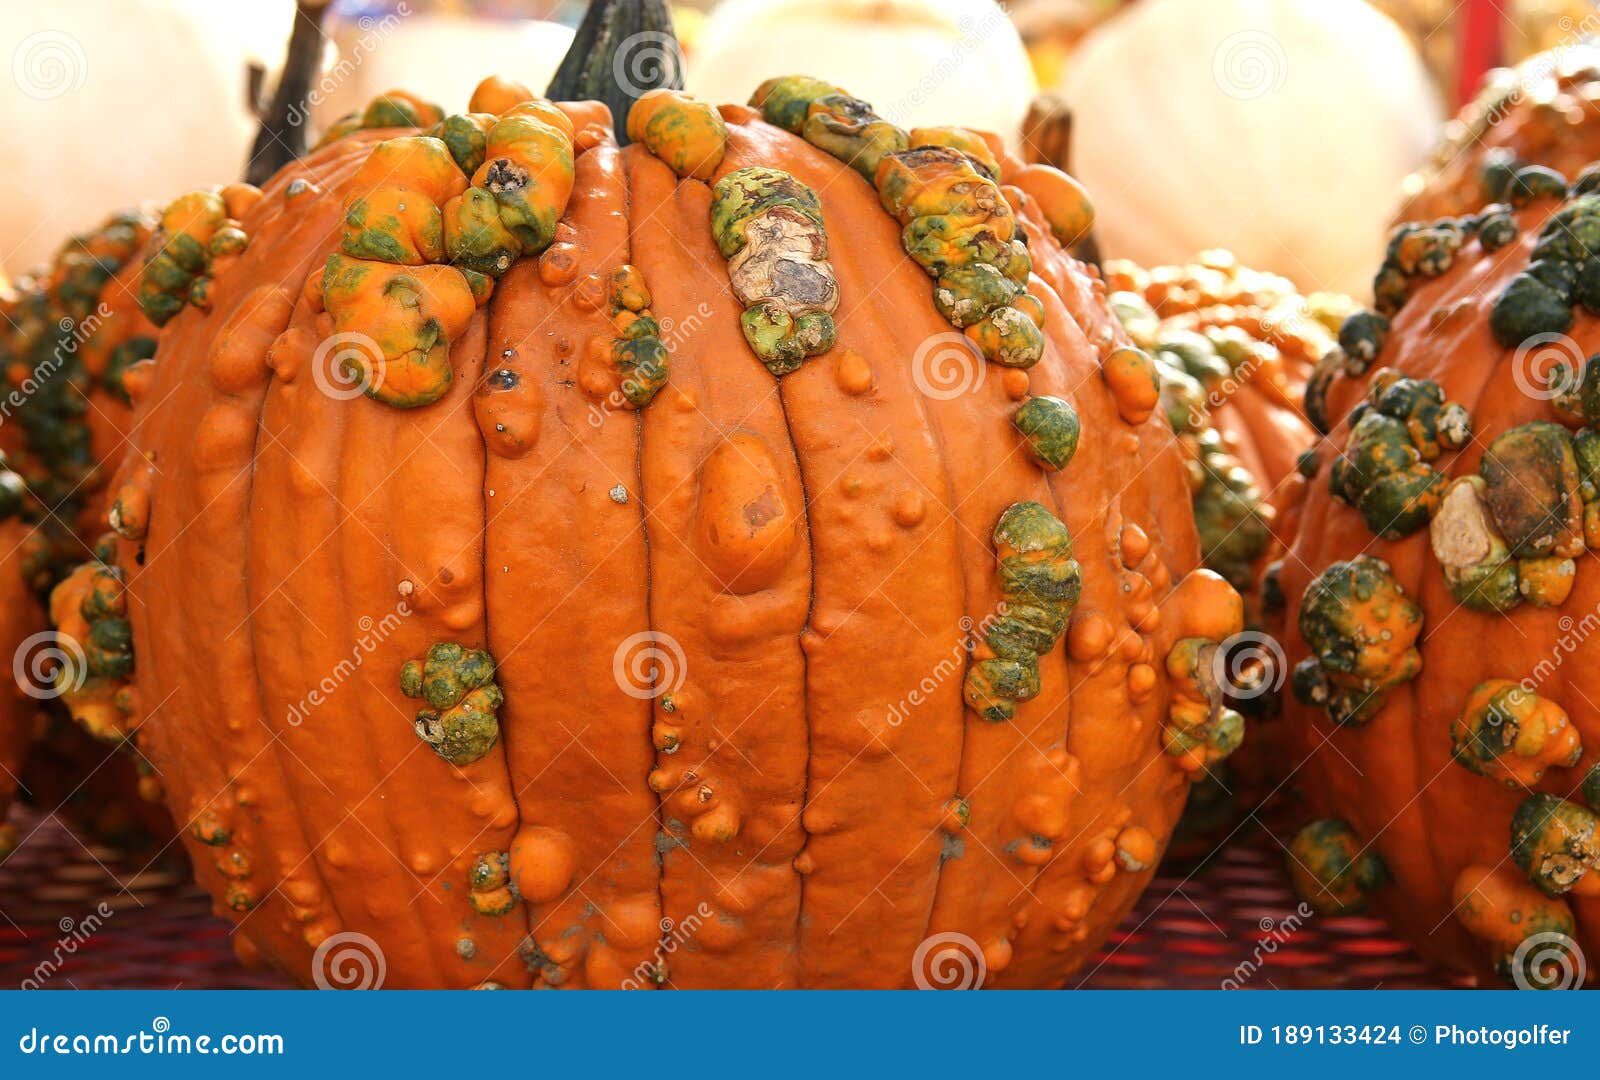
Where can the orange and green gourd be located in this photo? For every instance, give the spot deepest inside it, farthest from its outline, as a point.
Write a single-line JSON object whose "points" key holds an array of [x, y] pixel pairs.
{"points": [[771, 641], [1441, 610]]}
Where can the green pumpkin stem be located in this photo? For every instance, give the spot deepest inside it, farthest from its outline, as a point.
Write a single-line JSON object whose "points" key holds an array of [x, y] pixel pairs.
{"points": [[622, 49]]}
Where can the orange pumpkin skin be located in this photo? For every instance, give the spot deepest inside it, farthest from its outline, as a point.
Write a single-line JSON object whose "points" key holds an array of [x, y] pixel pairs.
{"points": [[1404, 794], [800, 798], [1543, 112]]}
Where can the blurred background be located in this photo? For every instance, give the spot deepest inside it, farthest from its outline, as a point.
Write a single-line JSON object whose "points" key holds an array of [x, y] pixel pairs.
{"points": [[1283, 127]]}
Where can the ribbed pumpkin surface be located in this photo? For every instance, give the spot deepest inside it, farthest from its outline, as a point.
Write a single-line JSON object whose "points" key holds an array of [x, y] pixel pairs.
{"points": [[817, 549]]}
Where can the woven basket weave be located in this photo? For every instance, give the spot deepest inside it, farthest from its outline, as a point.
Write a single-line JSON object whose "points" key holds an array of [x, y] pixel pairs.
{"points": [[1235, 922]]}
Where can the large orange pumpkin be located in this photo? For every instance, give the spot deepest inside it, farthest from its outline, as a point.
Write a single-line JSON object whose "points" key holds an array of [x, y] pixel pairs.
{"points": [[680, 398], [1440, 608], [1544, 112]]}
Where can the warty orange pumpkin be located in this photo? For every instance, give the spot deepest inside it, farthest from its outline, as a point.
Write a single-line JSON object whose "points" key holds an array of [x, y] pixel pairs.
{"points": [[1544, 112], [472, 409], [1438, 613]]}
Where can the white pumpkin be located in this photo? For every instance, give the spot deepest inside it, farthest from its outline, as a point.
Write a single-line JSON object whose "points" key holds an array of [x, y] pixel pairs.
{"points": [[438, 57], [919, 62], [111, 103], [1279, 129]]}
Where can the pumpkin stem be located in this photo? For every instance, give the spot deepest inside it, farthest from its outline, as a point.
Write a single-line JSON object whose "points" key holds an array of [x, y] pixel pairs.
{"points": [[1047, 140], [282, 136], [623, 48]]}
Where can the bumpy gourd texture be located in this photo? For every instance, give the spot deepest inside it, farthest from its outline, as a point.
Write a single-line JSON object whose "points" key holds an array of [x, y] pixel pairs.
{"points": [[478, 791], [74, 347], [1440, 645], [1235, 347], [1542, 112]]}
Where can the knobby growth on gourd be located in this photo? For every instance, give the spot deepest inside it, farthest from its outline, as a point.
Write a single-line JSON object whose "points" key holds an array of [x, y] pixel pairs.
{"points": [[1040, 582], [941, 185], [95, 680], [1385, 469], [1330, 869], [1511, 734], [768, 225], [462, 719], [199, 236], [1362, 629], [1201, 729]]}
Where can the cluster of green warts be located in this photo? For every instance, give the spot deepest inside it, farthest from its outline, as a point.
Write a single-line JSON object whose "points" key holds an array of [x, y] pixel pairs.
{"points": [[1040, 581], [941, 187], [768, 225], [1385, 470], [637, 352], [1330, 869], [1362, 629], [1229, 507], [1556, 842], [50, 322], [461, 721]]}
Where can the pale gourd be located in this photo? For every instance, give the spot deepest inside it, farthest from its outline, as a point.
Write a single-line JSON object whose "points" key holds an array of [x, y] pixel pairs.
{"points": [[1281, 131], [373, 54], [113, 102]]}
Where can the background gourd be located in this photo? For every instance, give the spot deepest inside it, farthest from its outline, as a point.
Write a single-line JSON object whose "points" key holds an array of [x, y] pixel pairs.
{"points": [[1439, 609], [1279, 131]]}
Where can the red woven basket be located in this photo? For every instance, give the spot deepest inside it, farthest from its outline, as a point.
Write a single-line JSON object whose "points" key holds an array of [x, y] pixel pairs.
{"points": [[1235, 922]]}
